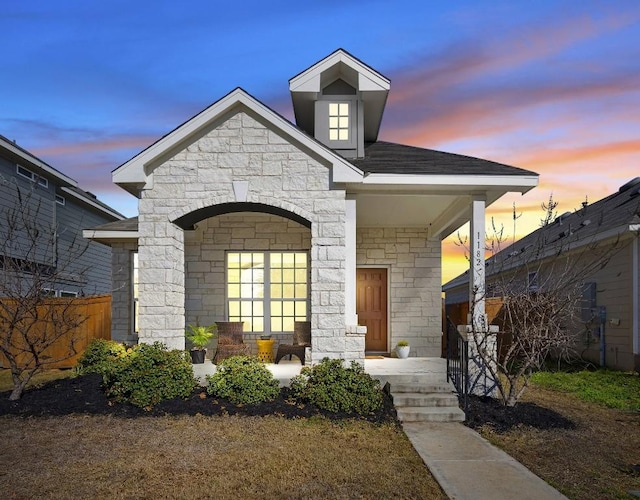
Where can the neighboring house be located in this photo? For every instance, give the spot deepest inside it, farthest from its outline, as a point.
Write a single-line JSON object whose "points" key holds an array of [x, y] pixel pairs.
{"points": [[244, 216], [611, 301], [64, 211]]}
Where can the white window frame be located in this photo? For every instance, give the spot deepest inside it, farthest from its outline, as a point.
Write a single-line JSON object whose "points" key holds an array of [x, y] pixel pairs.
{"points": [[267, 300], [336, 122], [32, 176], [60, 200], [67, 294]]}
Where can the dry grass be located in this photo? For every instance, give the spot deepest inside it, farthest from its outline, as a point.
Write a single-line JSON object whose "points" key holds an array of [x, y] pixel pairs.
{"points": [[205, 457], [6, 384], [594, 460]]}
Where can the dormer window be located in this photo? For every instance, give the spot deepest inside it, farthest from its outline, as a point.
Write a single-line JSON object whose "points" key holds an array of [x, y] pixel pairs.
{"points": [[339, 121]]}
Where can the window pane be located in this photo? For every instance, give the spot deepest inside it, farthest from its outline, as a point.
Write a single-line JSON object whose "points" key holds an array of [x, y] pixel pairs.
{"points": [[276, 308], [276, 291], [258, 324], [288, 276], [301, 291], [333, 135], [301, 260], [258, 308], [233, 275], [333, 122], [234, 308], [343, 135], [301, 275], [288, 308], [288, 259], [276, 324], [288, 291], [343, 108], [344, 122], [333, 108], [233, 291], [276, 276], [233, 259], [301, 309], [246, 308], [245, 260], [287, 324], [276, 260], [258, 259]]}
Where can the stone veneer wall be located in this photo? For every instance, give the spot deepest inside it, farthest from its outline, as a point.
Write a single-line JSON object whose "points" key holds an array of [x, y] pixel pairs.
{"points": [[122, 293], [205, 260], [276, 173], [414, 263]]}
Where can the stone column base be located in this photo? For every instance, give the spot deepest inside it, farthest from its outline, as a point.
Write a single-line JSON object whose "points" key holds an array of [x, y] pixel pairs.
{"points": [[481, 382]]}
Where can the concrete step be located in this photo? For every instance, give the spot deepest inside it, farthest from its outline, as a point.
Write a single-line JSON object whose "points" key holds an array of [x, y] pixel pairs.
{"points": [[417, 378], [422, 388], [408, 399], [430, 414]]}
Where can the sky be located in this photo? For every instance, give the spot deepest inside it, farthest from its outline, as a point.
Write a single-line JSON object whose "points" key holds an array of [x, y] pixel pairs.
{"points": [[548, 86]]}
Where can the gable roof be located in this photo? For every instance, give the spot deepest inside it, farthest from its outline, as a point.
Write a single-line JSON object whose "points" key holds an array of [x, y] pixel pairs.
{"points": [[610, 217], [371, 85], [134, 174]]}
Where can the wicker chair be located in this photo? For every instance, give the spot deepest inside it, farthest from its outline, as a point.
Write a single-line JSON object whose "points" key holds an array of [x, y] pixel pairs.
{"points": [[230, 341], [301, 340]]}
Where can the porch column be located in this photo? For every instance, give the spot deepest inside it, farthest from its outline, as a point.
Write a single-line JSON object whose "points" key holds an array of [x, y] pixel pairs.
{"points": [[482, 338], [477, 270], [161, 282], [350, 316]]}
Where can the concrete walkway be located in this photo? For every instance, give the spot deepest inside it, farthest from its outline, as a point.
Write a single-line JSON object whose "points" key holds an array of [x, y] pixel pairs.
{"points": [[467, 466]]}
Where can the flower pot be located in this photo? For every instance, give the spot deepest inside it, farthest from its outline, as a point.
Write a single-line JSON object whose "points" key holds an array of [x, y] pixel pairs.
{"points": [[197, 356], [402, 351]]}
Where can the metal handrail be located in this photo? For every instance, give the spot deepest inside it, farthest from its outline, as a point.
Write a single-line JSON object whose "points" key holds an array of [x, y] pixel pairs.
{"points": [[458, 363]]}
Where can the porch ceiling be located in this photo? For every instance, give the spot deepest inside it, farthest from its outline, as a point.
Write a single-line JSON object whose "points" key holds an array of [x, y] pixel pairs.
{"points": [[441, 213]]}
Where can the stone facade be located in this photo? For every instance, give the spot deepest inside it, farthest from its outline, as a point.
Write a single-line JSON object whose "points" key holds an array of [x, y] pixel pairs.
{"points": [[122, 293], [414, 263], [276, 174], [205, 250]]}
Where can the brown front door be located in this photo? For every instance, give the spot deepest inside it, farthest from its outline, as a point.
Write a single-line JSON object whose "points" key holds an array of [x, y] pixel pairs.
{"points": [[371, 307]]}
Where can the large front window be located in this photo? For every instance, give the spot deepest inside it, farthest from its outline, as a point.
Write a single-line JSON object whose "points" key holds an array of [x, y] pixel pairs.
{"points": [[268, 291]]}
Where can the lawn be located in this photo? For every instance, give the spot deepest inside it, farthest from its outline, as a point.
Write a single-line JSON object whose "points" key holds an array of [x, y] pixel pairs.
{"points": [[598, 456]]}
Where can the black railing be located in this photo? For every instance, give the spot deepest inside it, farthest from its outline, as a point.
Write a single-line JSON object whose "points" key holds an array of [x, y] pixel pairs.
{"points": [[458, 363]]}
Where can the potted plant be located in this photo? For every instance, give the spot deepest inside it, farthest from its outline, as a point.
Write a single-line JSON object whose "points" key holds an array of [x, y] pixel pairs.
{"points": [[199, 336], [402, 349]]}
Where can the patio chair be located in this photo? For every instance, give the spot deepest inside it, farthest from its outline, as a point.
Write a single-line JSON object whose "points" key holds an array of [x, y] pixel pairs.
{"points": [[230, 342], [301, 340]]}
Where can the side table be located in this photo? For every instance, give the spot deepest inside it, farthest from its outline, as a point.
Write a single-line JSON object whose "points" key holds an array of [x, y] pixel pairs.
{"points": [[265, 350]]}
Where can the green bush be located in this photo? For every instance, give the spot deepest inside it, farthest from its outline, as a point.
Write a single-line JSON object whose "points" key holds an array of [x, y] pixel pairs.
{"points": [[333, 387], [99, 355], [243, 379], [149, 374]]}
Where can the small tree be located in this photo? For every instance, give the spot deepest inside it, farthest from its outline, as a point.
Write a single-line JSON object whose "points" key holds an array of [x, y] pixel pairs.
{"points": [[34, 259], [542, 286]]}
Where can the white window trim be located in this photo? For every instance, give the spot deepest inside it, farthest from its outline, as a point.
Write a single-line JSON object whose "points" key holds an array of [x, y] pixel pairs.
{"points": [[33, 177], [67, 294], [267, 300], [60, 200]]}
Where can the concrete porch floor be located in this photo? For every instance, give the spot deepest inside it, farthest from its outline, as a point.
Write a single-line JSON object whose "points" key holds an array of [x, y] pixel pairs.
{"points": [[377, 368]]}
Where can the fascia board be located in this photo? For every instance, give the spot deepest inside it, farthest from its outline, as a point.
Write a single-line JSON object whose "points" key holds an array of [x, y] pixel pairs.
{"points": [[89, 201], [521, 183], [309, 80], [134, 170], [110, 236], [33, 161]]}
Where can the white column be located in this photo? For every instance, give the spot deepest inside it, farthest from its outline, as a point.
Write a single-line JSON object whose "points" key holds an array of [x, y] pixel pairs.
{"points": [[350, 316], [477, 269]]}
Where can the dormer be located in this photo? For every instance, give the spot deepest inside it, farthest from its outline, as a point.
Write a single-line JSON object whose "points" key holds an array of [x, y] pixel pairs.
{"points": [[340, 101]]}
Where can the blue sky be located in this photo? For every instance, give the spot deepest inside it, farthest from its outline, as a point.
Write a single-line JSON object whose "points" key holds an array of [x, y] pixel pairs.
{"points": [[550, 86]]}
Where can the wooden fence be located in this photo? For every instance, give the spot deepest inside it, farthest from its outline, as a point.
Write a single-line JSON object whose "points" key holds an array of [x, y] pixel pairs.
{"points": [[96, 310], [457, 313]]}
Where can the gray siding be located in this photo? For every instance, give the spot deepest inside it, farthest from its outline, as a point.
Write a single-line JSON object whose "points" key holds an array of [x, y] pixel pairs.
{"points": [[91, 273]]}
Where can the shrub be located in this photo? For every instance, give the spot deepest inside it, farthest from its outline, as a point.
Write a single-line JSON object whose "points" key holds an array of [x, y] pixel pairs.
{"points": [[99, 355], [243, 379], [149, 374], [403, 343], [333, 387]]}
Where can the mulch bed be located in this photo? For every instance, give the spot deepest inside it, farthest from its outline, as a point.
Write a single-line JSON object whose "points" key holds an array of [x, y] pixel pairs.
{"points": [[84, 395]]}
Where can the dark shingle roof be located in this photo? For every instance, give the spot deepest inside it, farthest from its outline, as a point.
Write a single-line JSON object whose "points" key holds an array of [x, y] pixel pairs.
{"points": [[119, 225], [388, 158], [614, 213]]}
